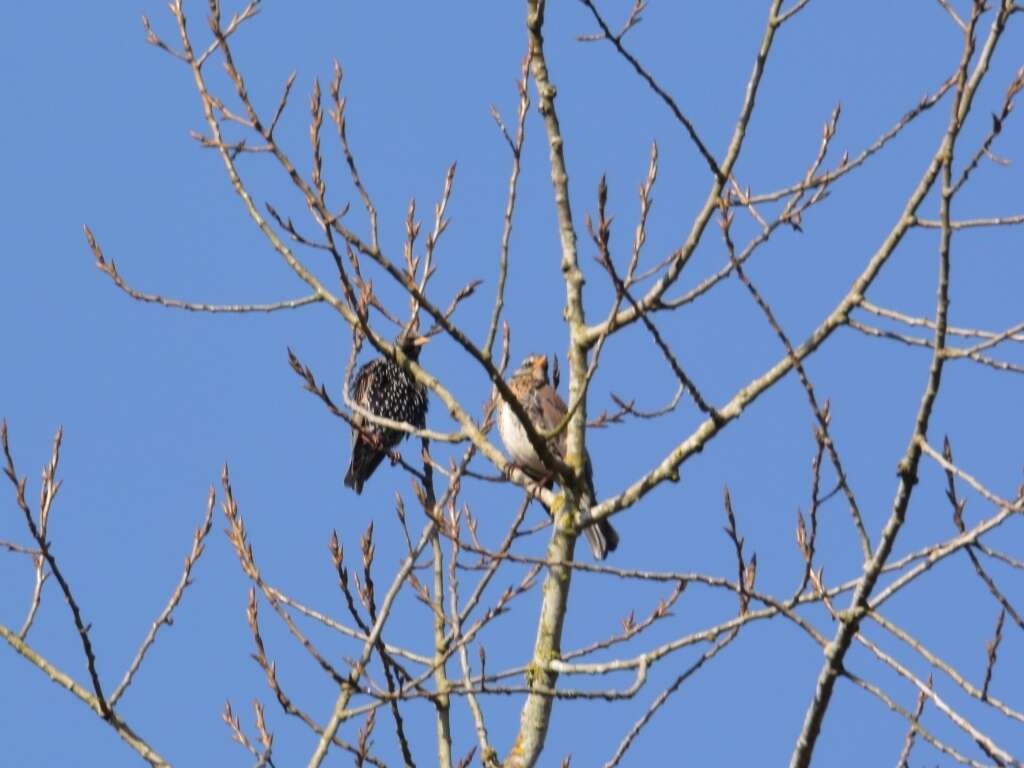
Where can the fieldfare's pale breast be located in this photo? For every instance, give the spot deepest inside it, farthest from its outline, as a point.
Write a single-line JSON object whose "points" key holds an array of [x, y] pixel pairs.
{"points": [[546, 410]]}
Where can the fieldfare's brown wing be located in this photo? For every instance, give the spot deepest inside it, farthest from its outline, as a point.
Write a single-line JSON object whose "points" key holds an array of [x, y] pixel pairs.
{"points": [[601, 536]]}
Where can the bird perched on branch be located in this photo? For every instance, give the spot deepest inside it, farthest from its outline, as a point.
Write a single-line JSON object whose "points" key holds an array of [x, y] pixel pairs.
{"points": [[385, 389], [546, 410]]}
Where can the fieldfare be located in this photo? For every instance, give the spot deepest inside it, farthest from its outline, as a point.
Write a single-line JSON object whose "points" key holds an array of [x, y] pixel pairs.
{"points": [[385, 389], [546, 410]]}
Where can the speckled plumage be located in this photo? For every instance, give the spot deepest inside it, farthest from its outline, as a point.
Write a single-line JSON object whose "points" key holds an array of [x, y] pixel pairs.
{"points": [[385, 389], [546, 410]]}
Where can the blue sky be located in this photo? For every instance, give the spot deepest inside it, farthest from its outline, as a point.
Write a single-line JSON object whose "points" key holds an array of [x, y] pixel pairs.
{"points": [[154, 401]]}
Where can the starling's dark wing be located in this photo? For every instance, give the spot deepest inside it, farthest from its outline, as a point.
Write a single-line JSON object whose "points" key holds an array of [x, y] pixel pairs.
{"points": [[365, 459], [359, 394], [420, 405], [366, 453]]}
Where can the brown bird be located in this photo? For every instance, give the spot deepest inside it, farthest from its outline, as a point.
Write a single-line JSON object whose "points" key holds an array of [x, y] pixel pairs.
{"points": [[546, 410], [384, 388]]}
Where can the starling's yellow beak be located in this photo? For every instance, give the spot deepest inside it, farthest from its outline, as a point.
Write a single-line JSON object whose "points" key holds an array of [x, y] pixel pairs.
{"points": [[419, 341]]}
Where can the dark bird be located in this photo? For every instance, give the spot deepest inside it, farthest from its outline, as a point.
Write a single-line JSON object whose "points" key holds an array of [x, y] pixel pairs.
{"points": [[385, 389], [546, 410]]}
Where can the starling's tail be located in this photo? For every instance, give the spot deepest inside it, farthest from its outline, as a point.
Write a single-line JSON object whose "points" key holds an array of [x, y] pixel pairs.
{"points": [[364, 461], [601, 537]]}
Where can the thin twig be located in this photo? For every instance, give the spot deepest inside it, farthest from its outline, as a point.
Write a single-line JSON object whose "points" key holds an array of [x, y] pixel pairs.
{"points": [[50, 487], [165, 615]]}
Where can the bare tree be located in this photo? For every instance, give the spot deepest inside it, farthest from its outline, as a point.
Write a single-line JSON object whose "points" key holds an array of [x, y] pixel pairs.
{"points": [[455, 571]]}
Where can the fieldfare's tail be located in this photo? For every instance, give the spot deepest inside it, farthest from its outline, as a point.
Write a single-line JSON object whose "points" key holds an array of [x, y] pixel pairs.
{"points": [[601, 537]]}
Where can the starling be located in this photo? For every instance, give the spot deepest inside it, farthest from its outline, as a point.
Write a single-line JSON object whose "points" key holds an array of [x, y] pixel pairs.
{"points": [[546, 410], [385, 389]]}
